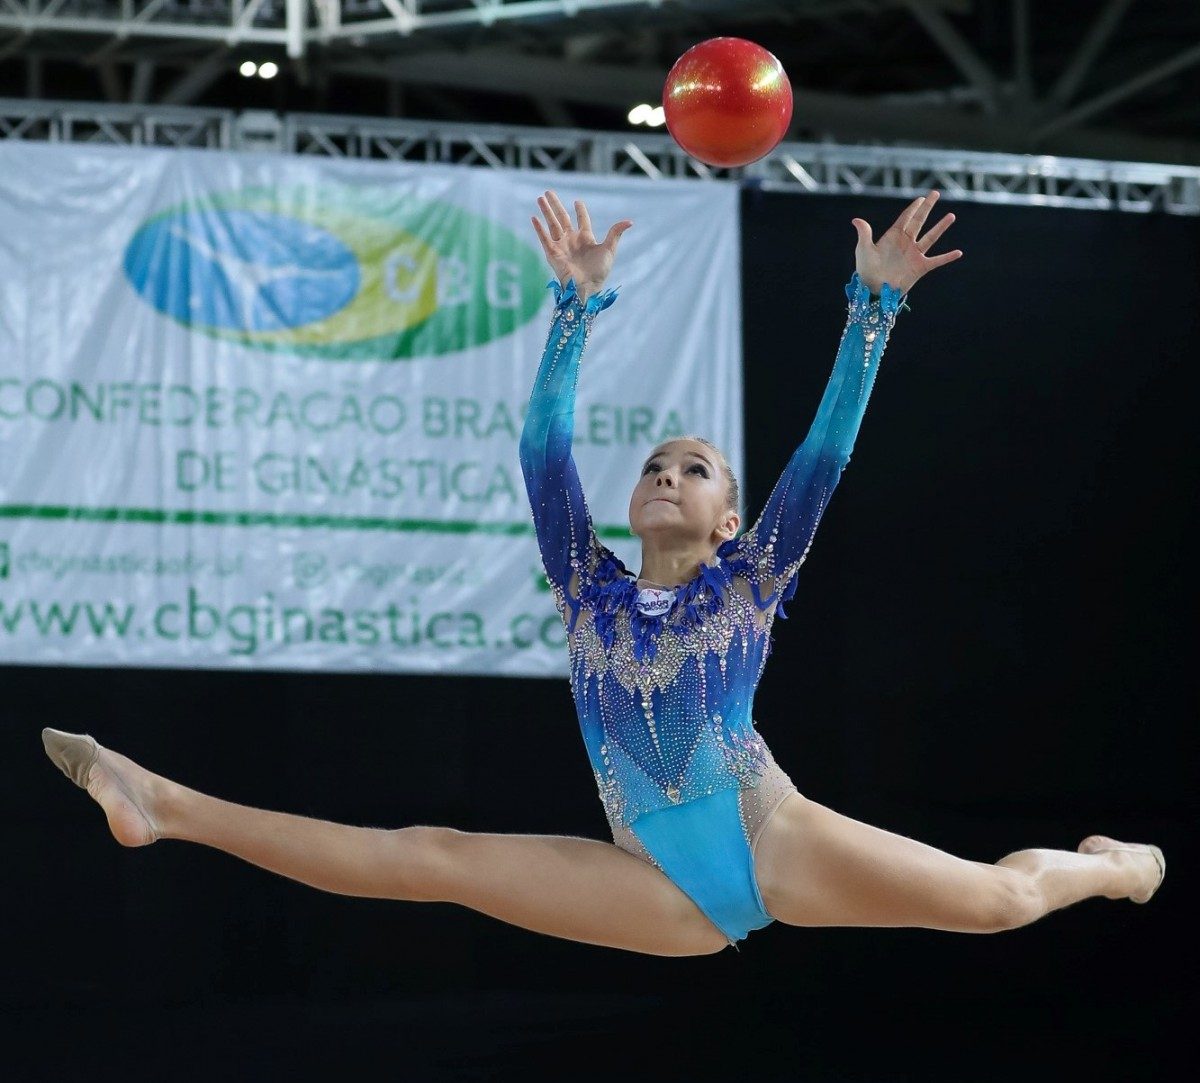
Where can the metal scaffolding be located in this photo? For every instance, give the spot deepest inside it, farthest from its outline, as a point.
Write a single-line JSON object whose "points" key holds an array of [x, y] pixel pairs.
{"points": [[810, 168], [288, 23]]}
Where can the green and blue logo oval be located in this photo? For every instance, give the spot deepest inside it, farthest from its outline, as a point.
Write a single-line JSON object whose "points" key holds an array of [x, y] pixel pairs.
{"points": [[336, 275]]}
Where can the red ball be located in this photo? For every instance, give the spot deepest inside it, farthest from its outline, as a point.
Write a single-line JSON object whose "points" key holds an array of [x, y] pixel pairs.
{"points": [[728, 101]]}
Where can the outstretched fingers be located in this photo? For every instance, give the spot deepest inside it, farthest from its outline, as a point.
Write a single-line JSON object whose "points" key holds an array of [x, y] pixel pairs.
{"points": [[614, 234], [948, 257], [908, 222], [547, 244], [918, 220], [554, 226], [584, 219], [560, 212], [926, 242]]}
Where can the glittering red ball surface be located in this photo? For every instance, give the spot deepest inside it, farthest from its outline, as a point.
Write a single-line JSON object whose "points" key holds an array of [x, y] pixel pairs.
{"points": [[728, 101]]}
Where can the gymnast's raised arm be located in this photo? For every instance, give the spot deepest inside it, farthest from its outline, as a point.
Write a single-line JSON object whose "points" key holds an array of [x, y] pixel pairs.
{"points": [[779, 540], [560, 513]]}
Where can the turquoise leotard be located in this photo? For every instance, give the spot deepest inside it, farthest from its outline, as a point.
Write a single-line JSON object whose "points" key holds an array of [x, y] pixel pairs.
{"points": [[665, 701]]}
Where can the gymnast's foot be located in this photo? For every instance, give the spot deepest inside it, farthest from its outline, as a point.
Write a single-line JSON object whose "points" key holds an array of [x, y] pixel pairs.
{"points": [[130, 795], [1146, 863]]}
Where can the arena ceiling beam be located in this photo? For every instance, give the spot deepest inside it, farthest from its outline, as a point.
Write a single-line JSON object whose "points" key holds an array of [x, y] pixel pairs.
{"points": [[566, 55], [958, 49], [1187, 58], [839, 116], [198, 78], [141, 82], [285, 23], [803, 168], [1097, 37], [293, 25]]}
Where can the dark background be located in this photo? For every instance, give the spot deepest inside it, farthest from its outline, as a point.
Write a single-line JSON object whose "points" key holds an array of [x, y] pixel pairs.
{"points": [[992, 647]]}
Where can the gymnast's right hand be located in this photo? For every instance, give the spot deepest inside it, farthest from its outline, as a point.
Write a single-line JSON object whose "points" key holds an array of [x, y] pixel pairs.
{"points": [[574, 253]]}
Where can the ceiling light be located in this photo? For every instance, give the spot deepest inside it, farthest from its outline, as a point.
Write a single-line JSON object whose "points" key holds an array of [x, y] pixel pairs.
{"points": [[639, 113], [268, 70], [248, 68], [657, 117]]}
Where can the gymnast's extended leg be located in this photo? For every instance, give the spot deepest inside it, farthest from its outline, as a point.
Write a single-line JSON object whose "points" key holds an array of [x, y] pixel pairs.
{"points": [[817, 867], [578, 889]]}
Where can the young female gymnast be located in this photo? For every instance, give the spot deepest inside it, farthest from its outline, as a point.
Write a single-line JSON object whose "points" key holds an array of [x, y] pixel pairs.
{"points": [[710, 838]]}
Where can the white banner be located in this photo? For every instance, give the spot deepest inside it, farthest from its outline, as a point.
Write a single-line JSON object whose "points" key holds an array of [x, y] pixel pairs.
{"points": [[263, 412]]}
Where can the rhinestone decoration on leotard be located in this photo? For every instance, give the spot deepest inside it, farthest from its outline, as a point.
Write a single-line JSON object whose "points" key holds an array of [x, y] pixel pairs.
{"points": [[756, 804], [665, 701], [676, 726]]}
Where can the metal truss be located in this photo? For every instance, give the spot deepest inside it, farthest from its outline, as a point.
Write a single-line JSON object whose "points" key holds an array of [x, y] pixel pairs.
{"points": [[1111, 97], [1038, 180], [808, 168], [288, 23], [115, 125]]}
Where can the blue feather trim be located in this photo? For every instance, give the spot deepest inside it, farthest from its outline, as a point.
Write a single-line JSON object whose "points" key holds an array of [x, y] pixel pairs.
{"points": [[608, 591], [859, 295], [564, 295]]}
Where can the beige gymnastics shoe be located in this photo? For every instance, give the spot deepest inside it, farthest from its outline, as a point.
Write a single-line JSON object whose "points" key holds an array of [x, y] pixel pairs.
{"points": [[72, 753], [127, 793], [1090, 846]]}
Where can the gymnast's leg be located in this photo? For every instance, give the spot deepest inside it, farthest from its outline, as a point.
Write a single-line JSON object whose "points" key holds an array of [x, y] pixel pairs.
{"points": [[577, 889], [817, 867]]}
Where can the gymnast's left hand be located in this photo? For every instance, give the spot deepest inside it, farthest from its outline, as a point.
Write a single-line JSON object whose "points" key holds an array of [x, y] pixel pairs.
{"points": [[898, 257]]}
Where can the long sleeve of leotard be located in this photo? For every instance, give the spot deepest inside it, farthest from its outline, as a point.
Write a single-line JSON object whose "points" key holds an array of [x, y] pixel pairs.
{"points": [[778, 542], [560, 513]]}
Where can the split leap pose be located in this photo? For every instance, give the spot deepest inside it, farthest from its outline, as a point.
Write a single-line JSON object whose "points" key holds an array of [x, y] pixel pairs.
{"points": [[710, 837]]}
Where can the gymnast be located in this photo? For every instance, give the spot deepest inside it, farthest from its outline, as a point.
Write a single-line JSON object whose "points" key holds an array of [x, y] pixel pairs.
{"points": [[711, 839]]}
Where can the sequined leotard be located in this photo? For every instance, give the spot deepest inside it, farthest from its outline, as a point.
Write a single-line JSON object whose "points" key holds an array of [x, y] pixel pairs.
{"points": [[665, 701]]}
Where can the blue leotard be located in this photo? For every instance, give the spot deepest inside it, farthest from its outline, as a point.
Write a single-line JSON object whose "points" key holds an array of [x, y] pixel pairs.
{"points": [[665, 701]]}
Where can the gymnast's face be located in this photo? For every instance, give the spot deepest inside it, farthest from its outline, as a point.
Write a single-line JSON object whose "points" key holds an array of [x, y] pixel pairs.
{"points": [[683, 496]]}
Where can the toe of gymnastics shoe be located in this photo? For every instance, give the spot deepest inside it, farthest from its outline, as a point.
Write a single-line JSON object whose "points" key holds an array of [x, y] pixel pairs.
{"points": [[1154, 852], [71, 753], [1162, 873]]}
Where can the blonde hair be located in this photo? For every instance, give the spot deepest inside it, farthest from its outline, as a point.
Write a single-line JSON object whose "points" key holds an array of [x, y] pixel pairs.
{"points": [[734, 489]]}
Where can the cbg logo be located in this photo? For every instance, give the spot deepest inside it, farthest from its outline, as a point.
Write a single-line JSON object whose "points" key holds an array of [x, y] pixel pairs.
{"points": [[336, 274]]}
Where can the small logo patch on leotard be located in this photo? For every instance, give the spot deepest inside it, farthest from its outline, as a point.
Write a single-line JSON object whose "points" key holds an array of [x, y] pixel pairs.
{"points": [[654, 603]]}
